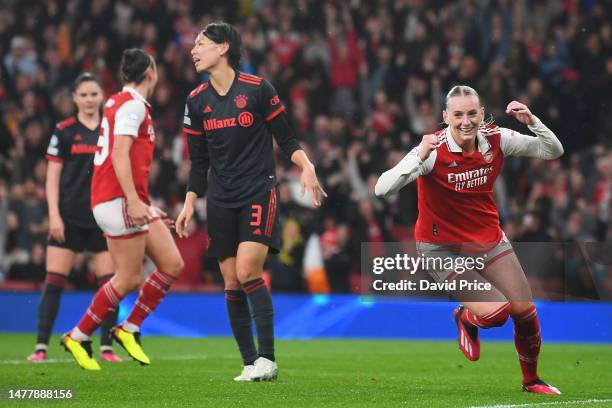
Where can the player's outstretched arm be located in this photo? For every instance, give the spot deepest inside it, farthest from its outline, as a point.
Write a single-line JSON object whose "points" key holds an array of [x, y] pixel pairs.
{"points": [[284, 136], [418, 162], [308, 180], [545, 146]]}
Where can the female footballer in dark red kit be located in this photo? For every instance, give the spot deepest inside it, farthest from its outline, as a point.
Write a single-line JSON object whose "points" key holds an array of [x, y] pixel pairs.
{"points": [[230, 121], [455, 170], [121, 207], [72, 228]]}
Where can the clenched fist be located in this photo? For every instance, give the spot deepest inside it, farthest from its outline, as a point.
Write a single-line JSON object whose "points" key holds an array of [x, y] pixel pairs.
{"points": [[428, 145]]}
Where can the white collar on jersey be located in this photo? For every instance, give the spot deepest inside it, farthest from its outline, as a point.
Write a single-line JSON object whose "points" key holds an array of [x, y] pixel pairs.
{"points": [[136, 94], [483, 144]]}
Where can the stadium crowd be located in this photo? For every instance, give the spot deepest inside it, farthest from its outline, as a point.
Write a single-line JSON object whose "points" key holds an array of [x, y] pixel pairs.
{"points": [[363, 81]]}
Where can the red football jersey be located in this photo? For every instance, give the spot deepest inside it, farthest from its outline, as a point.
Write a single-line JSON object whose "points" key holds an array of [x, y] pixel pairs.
{"points": [[456, 203], [105, 185]]}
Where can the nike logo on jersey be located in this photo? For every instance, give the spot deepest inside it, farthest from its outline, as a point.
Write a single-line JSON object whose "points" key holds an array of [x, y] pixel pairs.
{"points": [[207, 109], [453, 164]]}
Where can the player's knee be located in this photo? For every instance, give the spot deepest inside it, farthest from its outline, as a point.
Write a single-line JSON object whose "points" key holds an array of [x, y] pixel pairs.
{"points": [[177, 266], [232, 284], [126, 284], [497, 317], [172, 267], [519, 308], [247, 269], [247, 274]]}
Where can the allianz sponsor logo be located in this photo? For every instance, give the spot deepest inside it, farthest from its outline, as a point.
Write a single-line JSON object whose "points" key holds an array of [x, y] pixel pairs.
{"points": [[245, 119], [470, 178], [213, 124]]}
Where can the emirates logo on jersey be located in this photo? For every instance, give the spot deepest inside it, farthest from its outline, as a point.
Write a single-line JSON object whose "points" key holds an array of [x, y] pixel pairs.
{"points": [[470, 179], [241, 101], [245, 119]]}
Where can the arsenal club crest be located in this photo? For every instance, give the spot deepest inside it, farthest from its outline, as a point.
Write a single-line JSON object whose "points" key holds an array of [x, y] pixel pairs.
{"points": [[488, 156], [241, 101]]}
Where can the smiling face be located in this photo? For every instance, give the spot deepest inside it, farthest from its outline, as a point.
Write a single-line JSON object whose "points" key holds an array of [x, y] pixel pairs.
{"points": [[463, 115], [206, 53], [88, 97]]}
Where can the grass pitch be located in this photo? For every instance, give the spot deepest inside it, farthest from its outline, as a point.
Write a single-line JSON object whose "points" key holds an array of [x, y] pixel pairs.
{"points": [[329, 373]]}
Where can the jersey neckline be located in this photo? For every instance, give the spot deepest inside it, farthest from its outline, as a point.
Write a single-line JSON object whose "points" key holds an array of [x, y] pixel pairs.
{"points": [[229, 91], [84, 125]]}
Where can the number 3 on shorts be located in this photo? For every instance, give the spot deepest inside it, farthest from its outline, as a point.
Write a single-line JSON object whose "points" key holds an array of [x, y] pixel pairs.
{"points": [[256, 214], [103, 144]]}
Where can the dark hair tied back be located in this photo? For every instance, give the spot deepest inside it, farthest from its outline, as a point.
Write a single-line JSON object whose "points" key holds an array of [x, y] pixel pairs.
{"points": [[84, 77], [134, 64]]}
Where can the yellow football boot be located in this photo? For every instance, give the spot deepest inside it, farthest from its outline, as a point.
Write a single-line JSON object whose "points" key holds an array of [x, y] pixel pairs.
{"points": [[81, 352], [131, 343]]}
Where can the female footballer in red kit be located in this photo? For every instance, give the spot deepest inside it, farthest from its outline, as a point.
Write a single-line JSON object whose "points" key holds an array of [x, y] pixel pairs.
{"points": [[122, 209], [455, 169]]}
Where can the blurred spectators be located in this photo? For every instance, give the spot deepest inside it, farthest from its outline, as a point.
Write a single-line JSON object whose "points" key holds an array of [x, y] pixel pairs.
{"points": [[363, 81]]}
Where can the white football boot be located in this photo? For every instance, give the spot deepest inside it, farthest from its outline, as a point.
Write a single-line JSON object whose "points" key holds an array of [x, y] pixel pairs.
{"points": [[245, 375], [265, 370]]}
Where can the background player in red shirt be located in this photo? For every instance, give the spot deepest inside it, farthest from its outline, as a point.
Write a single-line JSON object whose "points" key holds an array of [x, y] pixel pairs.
{"points": [[72, 228], [230, 121], [121, 207], [456, 169]]}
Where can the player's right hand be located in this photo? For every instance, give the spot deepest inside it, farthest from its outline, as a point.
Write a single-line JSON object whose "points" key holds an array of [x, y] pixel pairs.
{"points": [[139, 212], [56, 229], [428, 145], [183, 220]]}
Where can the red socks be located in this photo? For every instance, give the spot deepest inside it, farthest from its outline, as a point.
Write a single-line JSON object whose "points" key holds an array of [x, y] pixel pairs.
{"points": [[496, 318], [103, 304], [527, 341], [152, 293]]}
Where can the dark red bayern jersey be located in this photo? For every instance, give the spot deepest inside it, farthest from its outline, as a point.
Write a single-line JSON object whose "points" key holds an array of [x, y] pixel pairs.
{"points": [[233, 130], [125, 113], [73, 144]]}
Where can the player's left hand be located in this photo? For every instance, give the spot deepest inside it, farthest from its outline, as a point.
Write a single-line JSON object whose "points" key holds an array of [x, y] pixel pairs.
{"points": [[309, 182], [520, 112]]}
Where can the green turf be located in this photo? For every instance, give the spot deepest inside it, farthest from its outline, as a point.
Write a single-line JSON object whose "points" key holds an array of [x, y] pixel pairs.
{"points": [[330, 373]]}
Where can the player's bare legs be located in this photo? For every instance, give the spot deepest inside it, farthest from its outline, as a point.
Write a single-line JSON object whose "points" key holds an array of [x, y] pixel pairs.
{"points": [[507, 275], [161, 249], [127, 256], [228, 271], [250, 260], [159, 246]]}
